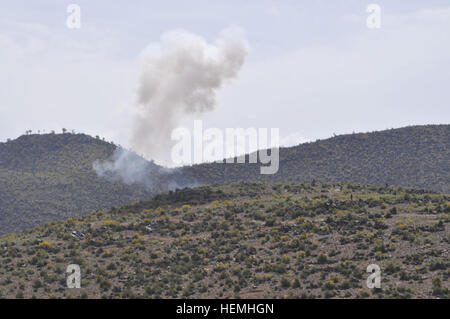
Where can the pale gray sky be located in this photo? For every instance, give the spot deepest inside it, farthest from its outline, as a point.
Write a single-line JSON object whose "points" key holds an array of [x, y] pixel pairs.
{"points": [[314, 68]]}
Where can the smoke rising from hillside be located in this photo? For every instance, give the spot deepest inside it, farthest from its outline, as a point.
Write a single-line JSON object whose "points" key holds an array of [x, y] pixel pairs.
{"points": [[125, 166], [180, 75]]}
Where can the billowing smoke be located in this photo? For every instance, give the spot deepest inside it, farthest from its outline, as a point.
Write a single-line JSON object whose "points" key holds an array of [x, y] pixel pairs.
{"points": [[127, 167], [180, 75]]}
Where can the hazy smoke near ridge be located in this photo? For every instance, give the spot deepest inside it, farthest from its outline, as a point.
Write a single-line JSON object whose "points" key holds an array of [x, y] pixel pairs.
{"points": [[180, 75], [125, 166]]}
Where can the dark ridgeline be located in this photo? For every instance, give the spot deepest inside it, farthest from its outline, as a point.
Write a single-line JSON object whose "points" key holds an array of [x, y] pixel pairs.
{"points": [[50, 177], [417, 156]]}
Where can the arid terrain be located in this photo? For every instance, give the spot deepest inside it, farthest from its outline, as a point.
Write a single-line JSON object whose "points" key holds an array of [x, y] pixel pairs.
{"points": [[242, 240]]}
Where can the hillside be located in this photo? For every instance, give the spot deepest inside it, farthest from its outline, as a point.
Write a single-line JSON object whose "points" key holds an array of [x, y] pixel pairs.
{"points": [[50, 177], [417, 156], [248, 240]]}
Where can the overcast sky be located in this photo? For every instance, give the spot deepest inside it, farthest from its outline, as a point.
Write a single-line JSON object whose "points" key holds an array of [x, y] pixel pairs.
{"points": [[314, 67]]}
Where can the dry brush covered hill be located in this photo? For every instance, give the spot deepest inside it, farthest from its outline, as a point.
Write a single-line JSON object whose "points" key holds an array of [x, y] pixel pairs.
{"points": [[248, 240], [51, 177], [417, 156]]}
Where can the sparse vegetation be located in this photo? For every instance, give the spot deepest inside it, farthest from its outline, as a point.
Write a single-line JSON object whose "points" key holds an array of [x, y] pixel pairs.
{"points": [[50, 177], [215, 241]]}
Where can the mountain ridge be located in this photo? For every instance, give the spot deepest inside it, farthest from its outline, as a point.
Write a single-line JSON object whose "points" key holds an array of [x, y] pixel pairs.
{"points": [[49, 177], [417, 156]]}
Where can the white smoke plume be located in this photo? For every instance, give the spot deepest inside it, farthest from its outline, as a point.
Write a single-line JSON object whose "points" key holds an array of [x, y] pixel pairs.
{"points": [[125, 166], [180, 75]]}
